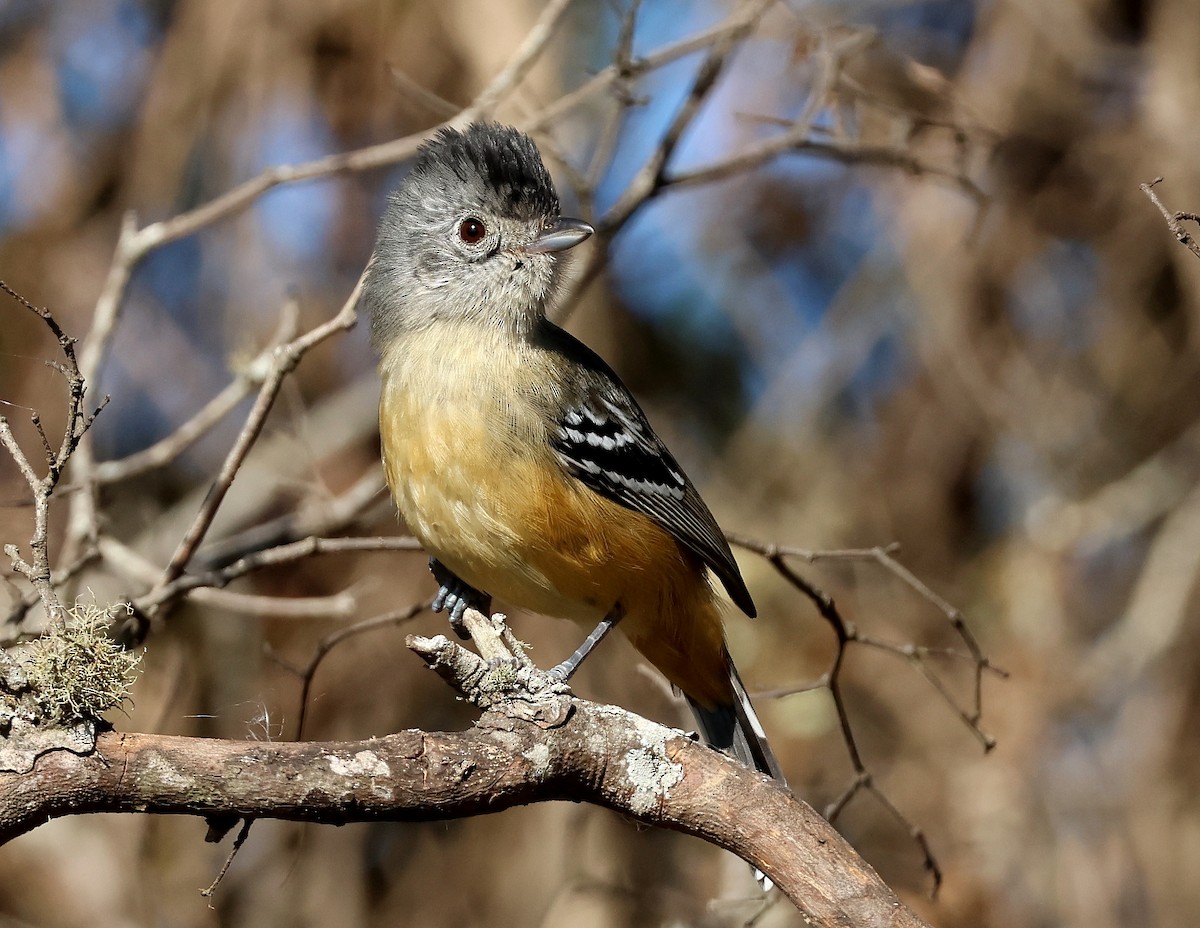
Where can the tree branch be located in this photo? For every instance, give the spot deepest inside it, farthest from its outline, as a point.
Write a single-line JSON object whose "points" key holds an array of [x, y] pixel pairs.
{"points": [[37, 569], [534, 743], [1174, 220], [286, 358]]}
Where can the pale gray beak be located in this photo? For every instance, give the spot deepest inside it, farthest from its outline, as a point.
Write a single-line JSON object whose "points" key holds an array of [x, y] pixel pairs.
{"points": [[561, 235]]}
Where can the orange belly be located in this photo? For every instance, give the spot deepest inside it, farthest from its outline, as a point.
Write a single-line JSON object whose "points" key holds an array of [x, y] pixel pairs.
{"points": [[497, 509]]}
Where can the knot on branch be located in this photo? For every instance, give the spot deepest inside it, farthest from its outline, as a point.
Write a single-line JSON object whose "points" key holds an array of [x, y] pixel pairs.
{"points": [[500, 679]]}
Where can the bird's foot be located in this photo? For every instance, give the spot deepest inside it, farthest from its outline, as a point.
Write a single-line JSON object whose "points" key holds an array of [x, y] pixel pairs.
{"points": [[563, 672], [456, 597]]}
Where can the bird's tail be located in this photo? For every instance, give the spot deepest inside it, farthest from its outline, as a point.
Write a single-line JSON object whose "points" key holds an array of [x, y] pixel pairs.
{"points": [[735, 729]]}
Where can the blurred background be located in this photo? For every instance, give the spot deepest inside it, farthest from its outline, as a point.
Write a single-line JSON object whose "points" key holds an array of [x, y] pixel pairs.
{"points": [[947, 317]]}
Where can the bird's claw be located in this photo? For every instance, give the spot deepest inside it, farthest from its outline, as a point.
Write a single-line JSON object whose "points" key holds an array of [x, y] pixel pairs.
{"points": [[455, 601], [456, 597]]}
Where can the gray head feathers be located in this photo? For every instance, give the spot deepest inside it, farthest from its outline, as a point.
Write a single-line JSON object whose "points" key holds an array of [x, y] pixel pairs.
{"points": [[506, 159], [453, 243]]}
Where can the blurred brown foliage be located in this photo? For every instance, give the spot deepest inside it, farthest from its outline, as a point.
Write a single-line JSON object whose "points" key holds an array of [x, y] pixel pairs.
{"points": [[1036, 458]]}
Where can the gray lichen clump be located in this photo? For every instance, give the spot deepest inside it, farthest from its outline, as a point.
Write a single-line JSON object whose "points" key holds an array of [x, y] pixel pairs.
{"points": [[76, 671]]}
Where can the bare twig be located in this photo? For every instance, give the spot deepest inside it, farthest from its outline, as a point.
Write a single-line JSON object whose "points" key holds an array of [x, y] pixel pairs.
{"points": [[523, 60], [164, 594], [242, 834], [632, 69], [37, 569], [1174, 220], [131, 565], [650, 177], [841, 150], [332, 640], [62, 575], [163, 452], [423, 96], [847, 634], [621, 89], [313, 518], [83, 520], [882, 555], [286, 357]]}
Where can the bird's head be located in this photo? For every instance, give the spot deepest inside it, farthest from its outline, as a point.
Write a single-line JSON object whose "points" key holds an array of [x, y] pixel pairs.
{"points": [[474, 233]]}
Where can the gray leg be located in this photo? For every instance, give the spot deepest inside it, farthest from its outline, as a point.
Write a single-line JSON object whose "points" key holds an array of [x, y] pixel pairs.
{"points": [[564, 671]]}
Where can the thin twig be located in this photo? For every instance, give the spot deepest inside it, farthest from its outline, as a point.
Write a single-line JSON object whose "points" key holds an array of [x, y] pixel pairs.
{"points": [[172, 446], [635, 68], [847, 634], [621, 89], [525, 57], [840, 150], [650, 176], [83, 519], [164, 594], [286, 358], [242, 834], [136, 568], [1174, 220], [319, 517], [422, 95], [61, 576], [333, 639], [37, 569]]}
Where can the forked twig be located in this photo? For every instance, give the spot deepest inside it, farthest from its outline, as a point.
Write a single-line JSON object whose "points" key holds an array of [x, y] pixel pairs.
{"points": [[1174, 220], [37, 568], [847, 634], [286, 358]]}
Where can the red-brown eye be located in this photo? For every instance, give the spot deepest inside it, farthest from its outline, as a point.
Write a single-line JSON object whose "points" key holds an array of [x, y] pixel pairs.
{"points": [[472, 230]]}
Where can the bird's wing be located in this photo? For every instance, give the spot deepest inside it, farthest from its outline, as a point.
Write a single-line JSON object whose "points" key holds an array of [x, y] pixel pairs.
{"points": [[604, 439]]}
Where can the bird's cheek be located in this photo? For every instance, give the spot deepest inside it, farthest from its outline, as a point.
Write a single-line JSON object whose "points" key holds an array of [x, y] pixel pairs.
{"points": [[425, 268], [433, 272]]}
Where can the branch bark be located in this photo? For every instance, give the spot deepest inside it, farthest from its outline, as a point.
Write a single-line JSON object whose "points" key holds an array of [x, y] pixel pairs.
{"points": [[600, 755], [534, 743]]}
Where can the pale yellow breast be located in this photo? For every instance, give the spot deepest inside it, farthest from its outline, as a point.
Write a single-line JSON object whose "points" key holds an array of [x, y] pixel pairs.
{"points": [[468, 463], [468, 460]]}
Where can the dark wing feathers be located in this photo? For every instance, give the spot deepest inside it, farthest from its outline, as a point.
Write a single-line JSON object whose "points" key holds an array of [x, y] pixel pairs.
{"points": [[604, 440]]}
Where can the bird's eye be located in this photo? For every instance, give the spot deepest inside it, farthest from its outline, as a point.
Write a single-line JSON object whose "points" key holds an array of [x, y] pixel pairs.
{"points": [[472, 230]]}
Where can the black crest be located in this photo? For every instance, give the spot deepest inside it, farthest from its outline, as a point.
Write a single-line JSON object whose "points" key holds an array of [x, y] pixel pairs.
{"points": [[506, 159]]}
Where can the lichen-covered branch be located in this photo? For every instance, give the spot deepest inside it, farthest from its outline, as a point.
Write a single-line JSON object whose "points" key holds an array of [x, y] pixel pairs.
{"points": [[556, 747]]}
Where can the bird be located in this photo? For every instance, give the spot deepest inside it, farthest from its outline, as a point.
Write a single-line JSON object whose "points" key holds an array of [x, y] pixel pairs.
{"points": [[516, 455]]}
